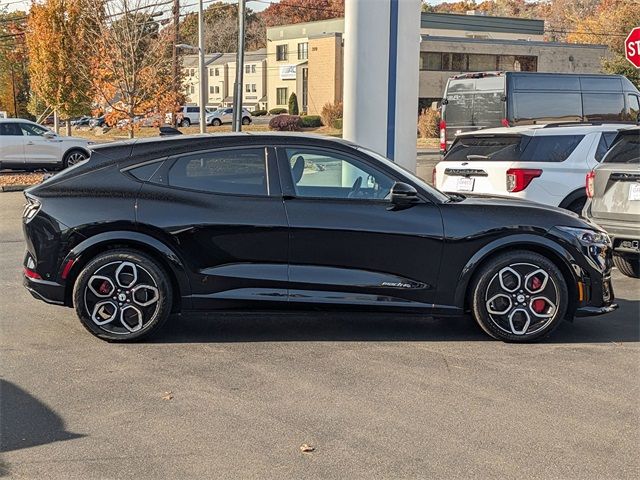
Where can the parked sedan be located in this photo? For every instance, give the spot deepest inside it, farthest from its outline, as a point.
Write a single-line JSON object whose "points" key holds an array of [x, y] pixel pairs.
{"points": [[613, 189], [267, 221], [25, 145]]}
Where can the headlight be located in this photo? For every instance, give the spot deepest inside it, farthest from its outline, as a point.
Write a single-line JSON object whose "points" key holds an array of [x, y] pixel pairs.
{"points": [[587, 237]]}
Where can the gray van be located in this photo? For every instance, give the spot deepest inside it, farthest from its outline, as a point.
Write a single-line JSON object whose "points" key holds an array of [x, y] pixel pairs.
{"points": [[492, 99]]}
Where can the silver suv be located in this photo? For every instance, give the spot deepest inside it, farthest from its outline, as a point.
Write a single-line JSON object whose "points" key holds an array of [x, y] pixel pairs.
{"points": [[225, 115], [613, 189]]}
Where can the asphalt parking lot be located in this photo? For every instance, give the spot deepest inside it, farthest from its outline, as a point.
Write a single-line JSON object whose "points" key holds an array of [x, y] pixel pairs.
{"points": [[235, 396]]}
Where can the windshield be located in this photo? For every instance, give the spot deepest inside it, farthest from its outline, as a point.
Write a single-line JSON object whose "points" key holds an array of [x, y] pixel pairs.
{"points": [[406, 173]]}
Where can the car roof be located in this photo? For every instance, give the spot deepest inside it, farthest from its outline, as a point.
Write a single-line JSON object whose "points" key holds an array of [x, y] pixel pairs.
{"points": [[547, 129], [15, 120]]}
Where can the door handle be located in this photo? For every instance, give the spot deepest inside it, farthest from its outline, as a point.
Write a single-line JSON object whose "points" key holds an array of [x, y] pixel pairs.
{"points": [[29, 143]]}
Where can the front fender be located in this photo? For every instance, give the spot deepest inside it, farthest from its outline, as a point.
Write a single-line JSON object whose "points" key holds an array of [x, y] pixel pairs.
{"points": [[540, 244], [86, 249]]}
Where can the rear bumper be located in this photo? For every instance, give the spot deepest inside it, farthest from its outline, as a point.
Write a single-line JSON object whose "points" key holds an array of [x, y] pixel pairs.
{"points": [[49, 292]]}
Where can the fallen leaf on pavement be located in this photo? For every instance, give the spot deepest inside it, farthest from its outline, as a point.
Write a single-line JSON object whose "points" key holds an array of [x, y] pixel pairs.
{"points": [[304, 448], [168, 396]]}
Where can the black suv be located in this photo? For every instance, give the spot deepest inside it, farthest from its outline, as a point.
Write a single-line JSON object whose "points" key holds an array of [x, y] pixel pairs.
{"points": [[149, 227]]}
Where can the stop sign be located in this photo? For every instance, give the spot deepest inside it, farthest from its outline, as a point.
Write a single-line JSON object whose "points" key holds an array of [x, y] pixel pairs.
{"points": [[632, 47]]}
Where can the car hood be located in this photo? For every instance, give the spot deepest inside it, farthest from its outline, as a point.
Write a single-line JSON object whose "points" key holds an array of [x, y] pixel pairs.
{"points": [[74, 140], [505, 201]]}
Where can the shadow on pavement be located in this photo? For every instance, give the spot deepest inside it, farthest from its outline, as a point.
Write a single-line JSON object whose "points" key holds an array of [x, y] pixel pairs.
{"points": [[26, 422], [621, 326]]}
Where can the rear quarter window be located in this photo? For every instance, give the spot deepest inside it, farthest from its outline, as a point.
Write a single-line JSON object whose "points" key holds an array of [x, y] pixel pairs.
{"points": [[525, 148]]}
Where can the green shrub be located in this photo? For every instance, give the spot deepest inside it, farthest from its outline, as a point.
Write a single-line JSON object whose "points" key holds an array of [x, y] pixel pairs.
{"points": [[331, 112], [428, 123], [337, 124], [311, 121], [293, 104], [258, 113], [278, 111], [285, 123]]}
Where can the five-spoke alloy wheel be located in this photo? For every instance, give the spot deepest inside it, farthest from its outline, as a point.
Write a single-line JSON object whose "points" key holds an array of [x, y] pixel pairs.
{"points": [[122, 295], [519, 296]]}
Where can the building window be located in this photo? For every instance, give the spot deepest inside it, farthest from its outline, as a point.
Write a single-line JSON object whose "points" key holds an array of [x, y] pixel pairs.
{"points": [[281, 96], [192, 72], [247, 88], [247, 69], [476, 62], [253, 69], [253, 87], [217, 72], [211, 90], [216, 89], [303, 51], [281, 53], [192, 89]]}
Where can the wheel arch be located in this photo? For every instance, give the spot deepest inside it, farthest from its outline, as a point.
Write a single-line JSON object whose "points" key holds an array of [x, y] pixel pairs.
{"points": [[76, 148], [572, 197], [85, 251], [554, 252]]}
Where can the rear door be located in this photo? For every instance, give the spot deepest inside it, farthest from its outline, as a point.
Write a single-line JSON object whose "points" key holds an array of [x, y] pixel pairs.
{"points": [[617, 182], [11, 145], [222, 209]]}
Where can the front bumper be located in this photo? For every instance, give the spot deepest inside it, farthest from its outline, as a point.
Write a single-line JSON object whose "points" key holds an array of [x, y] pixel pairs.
{"points": [[593, 311]]}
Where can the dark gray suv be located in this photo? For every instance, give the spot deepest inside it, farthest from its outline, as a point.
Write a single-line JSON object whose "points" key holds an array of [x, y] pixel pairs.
{"points": [[613, 189]]}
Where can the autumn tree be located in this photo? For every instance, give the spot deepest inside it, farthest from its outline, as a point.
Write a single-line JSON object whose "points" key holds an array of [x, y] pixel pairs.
{"points": [[299, 11], [610, 23], [130, 60], [58, 65], [14, 78], [221, 29]]}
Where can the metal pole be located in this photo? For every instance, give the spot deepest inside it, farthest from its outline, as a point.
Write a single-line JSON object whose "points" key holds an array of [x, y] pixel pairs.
{"points": [[15, 102], [237, 88], [201, 72], [176, 72]]}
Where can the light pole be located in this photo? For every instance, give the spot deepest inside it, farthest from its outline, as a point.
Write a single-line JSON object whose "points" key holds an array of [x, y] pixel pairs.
{"points": [[237, 88], [202, 86]]}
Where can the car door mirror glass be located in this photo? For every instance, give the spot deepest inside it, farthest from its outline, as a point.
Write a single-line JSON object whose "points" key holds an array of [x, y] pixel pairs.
{"points": [[403, 194], [49, 135]]}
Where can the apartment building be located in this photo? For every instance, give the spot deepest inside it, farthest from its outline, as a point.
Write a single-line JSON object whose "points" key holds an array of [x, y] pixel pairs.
{"points": [[220, 76], [307, 58]]}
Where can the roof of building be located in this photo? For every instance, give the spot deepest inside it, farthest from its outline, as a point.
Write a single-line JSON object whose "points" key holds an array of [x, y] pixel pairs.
{"points": [[481, 23], [500, 41]]}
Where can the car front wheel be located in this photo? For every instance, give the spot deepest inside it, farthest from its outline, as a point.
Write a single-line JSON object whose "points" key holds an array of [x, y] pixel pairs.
{"points": [[73, 157], [246, 121], [122, 295], [185, 122], [629, 265], [519, 296], [216, 122]]}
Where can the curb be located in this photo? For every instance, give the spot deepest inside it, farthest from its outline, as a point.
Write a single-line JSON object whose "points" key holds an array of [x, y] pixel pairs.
{"points": [[14, 188]]}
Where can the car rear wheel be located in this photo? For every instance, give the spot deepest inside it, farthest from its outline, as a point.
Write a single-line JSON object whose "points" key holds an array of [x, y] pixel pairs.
{"points": [[216, 122], [73, 157], [519, 297], [185, 122], [629, 266], [246, 120], [122, 295]]}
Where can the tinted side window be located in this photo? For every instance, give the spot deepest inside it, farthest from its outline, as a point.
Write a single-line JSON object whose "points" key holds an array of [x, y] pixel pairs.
{"points": [[236, 171], [603, 106], [603, 145], [546, 82], [551, 148], [32, 130], [625, 150], [193, 109], [634, 107], [10, 129], [145, 172], [547, 106]]}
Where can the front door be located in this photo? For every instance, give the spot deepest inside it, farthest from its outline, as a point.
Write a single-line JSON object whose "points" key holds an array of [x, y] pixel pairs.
{"points": [[11, 145], [346, 245], [225, 212], [41, 146]]}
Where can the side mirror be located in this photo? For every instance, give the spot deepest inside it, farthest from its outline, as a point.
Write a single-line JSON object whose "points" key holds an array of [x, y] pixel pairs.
{"points": [[49, 135], [403, 194]]}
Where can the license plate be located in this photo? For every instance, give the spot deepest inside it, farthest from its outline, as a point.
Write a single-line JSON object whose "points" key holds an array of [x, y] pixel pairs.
{"points": [[465, 184], [634, 191]]}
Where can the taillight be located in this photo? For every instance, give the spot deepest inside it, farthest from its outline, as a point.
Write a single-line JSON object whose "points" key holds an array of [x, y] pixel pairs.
{"points": [[443, 135], [31, 274], [504, 122], [519, 178], [591, 180]]}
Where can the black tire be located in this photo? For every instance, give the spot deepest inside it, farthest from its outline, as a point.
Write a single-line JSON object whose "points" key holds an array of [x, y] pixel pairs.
{"points": [[629, 265], [577, 205], [185, 122], [72, 157], [520, 322], [216, 122], [114, 266], [246, 120]]}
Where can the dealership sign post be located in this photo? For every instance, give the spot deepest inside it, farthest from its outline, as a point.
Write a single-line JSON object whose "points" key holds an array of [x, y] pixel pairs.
{"points": [[632, 47]]}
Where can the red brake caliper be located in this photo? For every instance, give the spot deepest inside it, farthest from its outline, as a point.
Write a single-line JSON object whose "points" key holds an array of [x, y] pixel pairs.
{"points": [[104, 287], [538, 305], [536, 283]]}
